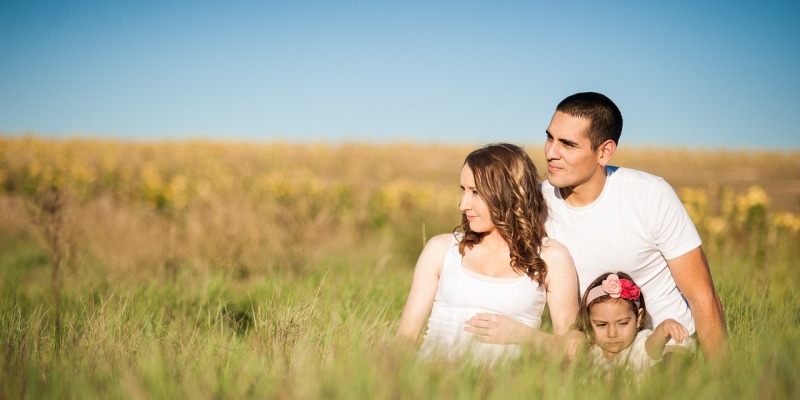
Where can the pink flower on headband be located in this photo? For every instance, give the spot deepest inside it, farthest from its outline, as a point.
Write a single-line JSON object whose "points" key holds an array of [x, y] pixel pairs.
{"points": [[629, 290], [612, 286], [615, 288]]}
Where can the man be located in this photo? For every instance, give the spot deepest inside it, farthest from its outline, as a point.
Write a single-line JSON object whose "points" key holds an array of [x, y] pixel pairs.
{"points": [[619, 219]]}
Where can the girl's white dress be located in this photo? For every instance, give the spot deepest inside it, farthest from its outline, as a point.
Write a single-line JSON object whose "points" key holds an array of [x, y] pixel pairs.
{"points": [[462, 294], [633, 359]]}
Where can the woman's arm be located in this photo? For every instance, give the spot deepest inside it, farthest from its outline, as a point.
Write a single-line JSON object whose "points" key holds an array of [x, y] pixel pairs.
{"points": [[668, 329], [500, 329], [423, 288], [562, 286], [562, 299]]}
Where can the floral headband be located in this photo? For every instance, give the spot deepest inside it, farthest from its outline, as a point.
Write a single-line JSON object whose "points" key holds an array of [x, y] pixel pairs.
{"points": [[616, 288]]}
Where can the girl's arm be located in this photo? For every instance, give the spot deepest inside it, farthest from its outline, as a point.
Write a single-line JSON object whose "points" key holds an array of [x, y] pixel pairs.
{"points": [[669, 329], [423, 288]]}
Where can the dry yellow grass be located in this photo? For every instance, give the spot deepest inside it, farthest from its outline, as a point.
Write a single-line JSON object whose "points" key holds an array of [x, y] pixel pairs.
{"points": [[240, 270], [164, 207]]}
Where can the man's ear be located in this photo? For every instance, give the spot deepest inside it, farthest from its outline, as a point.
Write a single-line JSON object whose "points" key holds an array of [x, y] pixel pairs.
{"points": [[606, 152]]}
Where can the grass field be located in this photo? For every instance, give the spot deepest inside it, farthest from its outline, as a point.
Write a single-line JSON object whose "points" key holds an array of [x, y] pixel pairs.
{"points": [[225, 270]]}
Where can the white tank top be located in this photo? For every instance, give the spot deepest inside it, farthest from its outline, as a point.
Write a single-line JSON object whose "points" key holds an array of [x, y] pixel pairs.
{"points": [[462, 294]]}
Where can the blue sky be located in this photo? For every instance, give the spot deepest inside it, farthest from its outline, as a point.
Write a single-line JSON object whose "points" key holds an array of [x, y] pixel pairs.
{"points": [[689, 74]]}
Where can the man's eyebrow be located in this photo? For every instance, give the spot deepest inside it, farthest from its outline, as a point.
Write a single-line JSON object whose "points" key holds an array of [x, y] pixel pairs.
{"points": [[568, 142], [564, 141]]}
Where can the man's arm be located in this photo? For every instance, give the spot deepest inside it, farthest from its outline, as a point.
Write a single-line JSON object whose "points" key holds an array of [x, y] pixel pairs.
{"points": [[693, 277]]}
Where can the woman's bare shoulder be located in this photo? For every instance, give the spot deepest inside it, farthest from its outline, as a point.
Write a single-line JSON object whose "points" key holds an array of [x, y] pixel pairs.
{"points": [[441, 240], [554, 253], [434, 252]]}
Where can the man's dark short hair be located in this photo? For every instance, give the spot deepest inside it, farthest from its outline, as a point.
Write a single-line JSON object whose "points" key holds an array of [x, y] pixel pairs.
{"points": [[605, 118]]}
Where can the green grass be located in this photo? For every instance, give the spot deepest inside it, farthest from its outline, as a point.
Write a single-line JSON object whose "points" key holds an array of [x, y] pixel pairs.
{"points": [[201, 270], [327, 333]]}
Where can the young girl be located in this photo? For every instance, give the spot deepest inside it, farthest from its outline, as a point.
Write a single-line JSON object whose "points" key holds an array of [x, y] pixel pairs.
{"points": [[498, 261], [613, 317]]}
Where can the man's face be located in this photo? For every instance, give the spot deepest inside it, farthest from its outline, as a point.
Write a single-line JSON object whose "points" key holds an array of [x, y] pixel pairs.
{"points": [[571, 161]]}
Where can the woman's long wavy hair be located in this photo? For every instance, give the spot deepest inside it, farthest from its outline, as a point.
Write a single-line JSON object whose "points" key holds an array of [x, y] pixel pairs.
{"points": [[507, 181]]}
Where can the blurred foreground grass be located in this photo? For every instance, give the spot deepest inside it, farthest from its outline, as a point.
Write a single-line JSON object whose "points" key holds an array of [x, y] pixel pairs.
{"points": [[209, 270]]}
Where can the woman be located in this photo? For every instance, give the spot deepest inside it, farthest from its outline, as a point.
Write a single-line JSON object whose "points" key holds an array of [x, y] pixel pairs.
{"points": [[498, 261]]}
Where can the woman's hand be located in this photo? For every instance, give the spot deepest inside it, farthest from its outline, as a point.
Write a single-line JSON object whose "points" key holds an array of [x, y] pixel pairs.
{"points": [[498, 329], [571, 343]]}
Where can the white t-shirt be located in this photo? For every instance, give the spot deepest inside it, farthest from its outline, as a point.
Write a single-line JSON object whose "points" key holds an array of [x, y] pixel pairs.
{"points": [[462, 294], [635, 226]]}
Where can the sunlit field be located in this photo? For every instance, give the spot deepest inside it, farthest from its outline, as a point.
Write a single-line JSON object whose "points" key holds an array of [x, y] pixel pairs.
{"points": [[244, 270]]}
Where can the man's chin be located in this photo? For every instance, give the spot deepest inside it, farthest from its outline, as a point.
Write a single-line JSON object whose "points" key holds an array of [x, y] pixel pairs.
{"points": [[555, 182]]}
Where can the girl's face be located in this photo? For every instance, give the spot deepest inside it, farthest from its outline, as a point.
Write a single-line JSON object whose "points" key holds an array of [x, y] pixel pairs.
{"points": [[615, 326], [472, 205]]}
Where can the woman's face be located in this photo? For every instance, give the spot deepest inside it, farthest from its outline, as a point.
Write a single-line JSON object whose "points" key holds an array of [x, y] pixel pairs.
{"points": [[472, 205]]}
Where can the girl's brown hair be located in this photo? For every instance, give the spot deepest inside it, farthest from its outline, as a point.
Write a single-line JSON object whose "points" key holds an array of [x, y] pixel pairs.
{"points": [[584, 324], [507, 181]]}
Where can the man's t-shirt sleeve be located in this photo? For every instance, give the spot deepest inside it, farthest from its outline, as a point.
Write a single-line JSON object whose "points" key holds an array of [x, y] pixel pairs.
{"points": [[674, 232]]}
